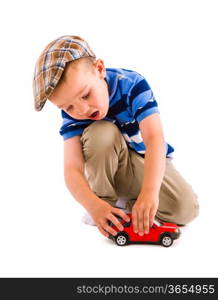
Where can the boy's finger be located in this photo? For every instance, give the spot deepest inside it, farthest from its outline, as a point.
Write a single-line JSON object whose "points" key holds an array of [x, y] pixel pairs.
{"points": [[121, 213], [151, 221], [146, 223], [102, 231], [109, 229], [134, 221], [114, 220], [140, 223]]}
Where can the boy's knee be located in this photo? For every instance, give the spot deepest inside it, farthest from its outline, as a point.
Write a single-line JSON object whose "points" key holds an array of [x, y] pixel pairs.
{"points": [[179, 208], [100, 134], [187, 207]]}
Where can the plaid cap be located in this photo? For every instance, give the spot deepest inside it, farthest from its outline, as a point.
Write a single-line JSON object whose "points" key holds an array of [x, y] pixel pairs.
{"points": [[51, 63]]}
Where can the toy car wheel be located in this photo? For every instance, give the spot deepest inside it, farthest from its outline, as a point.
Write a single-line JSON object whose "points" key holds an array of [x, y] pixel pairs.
{"points": [[166, 240], [121, 239]]}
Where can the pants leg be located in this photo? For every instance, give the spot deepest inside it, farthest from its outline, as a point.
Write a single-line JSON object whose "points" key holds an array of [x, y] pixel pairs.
{"points": [[107, 161], [113, 170], [177, 200]]}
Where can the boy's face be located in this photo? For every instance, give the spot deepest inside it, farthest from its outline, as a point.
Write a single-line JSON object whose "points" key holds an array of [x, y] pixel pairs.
{"points": [[84, 93]]}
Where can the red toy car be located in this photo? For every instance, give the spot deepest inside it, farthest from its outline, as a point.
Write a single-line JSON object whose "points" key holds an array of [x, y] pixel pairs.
{"points": [[160, 233]]}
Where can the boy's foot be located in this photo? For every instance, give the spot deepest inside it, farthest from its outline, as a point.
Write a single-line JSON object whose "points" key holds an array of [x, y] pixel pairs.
{"points": [[87, 219], [121, 202]]}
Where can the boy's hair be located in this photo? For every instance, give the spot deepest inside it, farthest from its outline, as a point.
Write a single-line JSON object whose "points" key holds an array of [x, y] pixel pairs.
{"points": [[88, 63]]}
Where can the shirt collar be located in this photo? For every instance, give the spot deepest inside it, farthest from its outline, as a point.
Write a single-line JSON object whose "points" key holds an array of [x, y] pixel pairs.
{"points": [[111, 79]]}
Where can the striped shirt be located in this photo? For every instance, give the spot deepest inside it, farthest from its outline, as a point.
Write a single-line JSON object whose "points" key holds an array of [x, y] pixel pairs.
{"points": [[130, 101]]}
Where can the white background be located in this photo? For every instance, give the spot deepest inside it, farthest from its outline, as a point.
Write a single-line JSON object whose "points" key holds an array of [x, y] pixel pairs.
{"points": [[174, 45]]}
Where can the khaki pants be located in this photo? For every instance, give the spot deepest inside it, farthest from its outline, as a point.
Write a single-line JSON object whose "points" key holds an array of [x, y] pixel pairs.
{"points": [[113, 170]]}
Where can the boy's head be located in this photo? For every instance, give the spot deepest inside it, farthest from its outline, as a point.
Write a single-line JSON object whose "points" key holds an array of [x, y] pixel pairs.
{"points": [[68, 74]]}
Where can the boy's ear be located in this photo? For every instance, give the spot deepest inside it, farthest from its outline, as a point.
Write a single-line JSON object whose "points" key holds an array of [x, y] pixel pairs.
{"points": [[99, 64]]}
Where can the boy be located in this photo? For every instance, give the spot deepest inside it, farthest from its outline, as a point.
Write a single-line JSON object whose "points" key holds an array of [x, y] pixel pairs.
{"points": [[113, 139]]}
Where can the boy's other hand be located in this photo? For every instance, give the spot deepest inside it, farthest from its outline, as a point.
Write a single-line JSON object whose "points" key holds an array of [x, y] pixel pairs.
{"points": [[143, 212], [104, 212]]}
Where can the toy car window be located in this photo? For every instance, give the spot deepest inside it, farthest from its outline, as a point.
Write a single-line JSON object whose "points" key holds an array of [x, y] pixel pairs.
{"points": [[157, 223], [126, 224], [119, 218], [110, 223]]}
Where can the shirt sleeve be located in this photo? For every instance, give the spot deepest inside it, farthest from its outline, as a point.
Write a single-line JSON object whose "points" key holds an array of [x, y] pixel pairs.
{"points": [[142, 100], [72, 127]]}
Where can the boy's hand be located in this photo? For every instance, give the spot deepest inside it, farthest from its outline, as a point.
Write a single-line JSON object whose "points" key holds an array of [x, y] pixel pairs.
{"points": [[103, 213], [143, 212]]}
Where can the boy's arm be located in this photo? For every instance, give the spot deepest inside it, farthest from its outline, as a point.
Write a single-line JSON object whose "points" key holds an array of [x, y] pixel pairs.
{"points": [[74, 174], [78, 186], [146, 205]]}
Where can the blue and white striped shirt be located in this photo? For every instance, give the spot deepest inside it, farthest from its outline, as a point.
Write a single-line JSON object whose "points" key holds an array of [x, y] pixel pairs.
{"points": [[130, 101]]}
